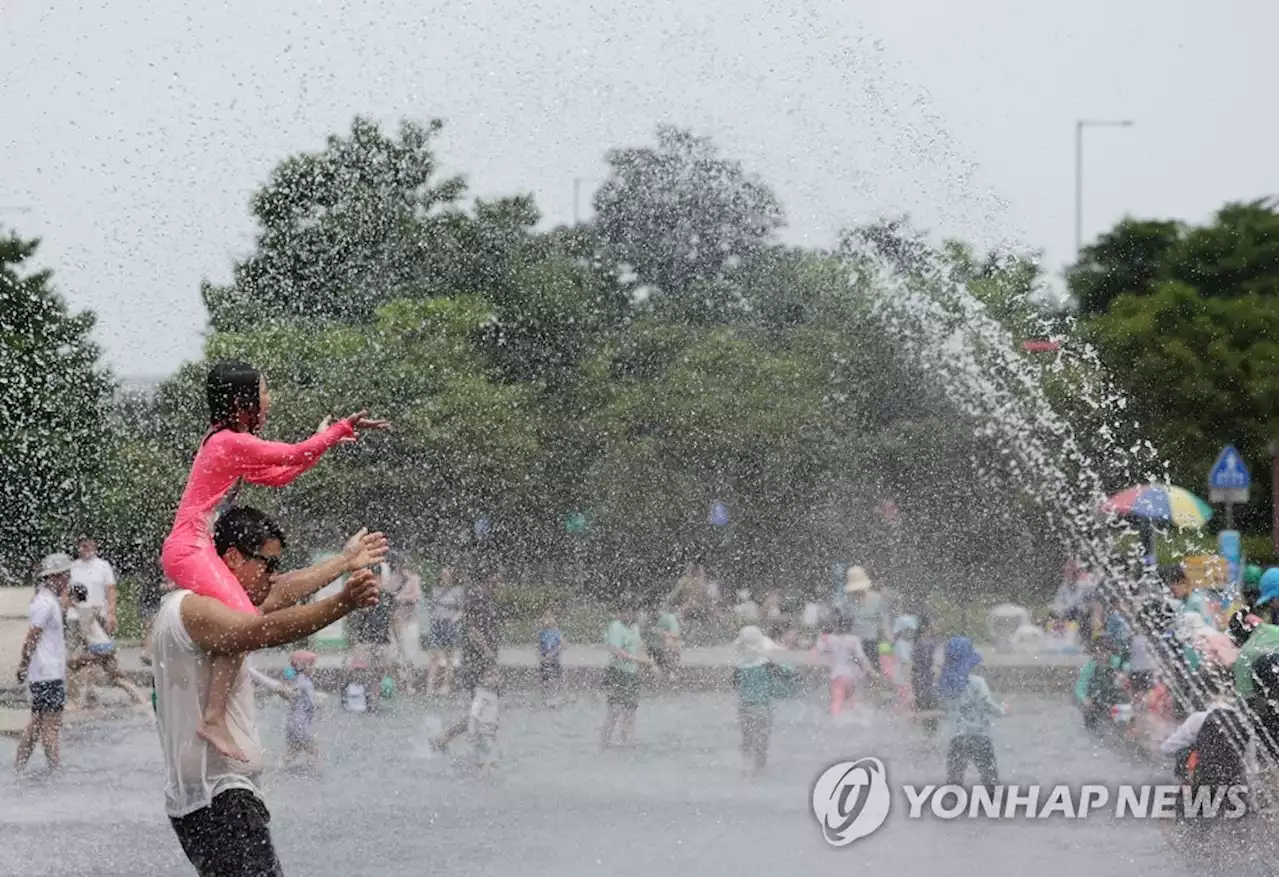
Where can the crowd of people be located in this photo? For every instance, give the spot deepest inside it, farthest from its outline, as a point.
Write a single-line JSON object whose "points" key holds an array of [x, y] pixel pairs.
{"points": [[904, 674], [1192, 673]]}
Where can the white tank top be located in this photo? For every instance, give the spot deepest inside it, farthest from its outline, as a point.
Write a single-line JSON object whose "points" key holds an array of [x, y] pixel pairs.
{"points": [[194, 771]]}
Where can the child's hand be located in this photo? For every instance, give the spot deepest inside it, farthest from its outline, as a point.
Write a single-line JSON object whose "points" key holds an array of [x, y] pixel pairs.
{"points": [[1004, 709], [361, 420]]}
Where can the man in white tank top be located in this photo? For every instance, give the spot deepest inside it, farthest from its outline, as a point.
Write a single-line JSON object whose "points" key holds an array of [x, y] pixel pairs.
{"points": [[213, 802]]}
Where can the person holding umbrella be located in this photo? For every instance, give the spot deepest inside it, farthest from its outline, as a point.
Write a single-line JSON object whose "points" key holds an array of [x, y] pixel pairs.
{"points": [[1151, 503]]}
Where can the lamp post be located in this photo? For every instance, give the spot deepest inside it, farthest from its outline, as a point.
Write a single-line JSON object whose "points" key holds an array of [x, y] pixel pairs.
{"points": [[1081, 124]]}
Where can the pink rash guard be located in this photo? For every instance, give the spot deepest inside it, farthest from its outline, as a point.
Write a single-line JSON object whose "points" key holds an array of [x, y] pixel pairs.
{"points": [[188, 557]]}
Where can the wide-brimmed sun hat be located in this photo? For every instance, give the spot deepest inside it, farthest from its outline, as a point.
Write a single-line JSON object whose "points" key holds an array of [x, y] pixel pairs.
{"points": [[856, 580], [54, 564]]}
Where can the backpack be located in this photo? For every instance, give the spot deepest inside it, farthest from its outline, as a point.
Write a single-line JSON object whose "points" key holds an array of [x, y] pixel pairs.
{"points": [[1213, 759]]}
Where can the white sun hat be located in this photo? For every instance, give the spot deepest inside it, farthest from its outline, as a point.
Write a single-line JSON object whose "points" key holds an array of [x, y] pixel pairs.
{"points": [[54, 564], [856, 580]]}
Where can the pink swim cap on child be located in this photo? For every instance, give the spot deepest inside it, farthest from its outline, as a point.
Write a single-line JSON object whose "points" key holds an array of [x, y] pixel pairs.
{"points": [[302, 658]]}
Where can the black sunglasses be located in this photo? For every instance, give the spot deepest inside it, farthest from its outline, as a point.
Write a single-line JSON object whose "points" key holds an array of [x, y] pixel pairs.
{"points": [[271, 564]]}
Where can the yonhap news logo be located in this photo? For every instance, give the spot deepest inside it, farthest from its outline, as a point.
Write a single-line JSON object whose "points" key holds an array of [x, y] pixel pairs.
{"points": [[852, 799]]}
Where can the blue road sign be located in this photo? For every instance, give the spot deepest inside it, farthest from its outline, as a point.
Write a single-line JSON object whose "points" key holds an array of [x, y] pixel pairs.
{"points": [[1229, 472]]}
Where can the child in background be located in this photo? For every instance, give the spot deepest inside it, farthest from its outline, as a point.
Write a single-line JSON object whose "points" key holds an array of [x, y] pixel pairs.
{"points": [[754, 676], [100, 650], [299, 690], [848, 662], [922, 685], [550, 645], [482, 723], [970, 709], [299, 737], [664, 642], [1100, 686], [904, 635]]}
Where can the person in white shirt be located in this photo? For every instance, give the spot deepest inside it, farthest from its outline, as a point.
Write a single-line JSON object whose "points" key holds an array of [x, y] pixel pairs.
{"points": [[212, 801], [98, 578], [43, 664]]}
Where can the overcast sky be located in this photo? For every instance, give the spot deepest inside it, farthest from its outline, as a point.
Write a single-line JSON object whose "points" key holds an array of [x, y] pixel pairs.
{"points": [[135, 132]]}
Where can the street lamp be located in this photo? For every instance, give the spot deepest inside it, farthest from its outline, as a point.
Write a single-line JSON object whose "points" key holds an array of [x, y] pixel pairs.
{"points": [[1081, 124]]}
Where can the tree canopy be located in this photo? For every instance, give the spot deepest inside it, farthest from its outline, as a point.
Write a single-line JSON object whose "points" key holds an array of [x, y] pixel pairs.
{"points": [[628, 372], [1186, 318], [54, 399]]}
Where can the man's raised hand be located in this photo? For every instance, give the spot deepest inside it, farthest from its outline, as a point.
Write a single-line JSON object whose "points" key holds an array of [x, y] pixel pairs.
{"points": [[360, 590], [365, 549]]}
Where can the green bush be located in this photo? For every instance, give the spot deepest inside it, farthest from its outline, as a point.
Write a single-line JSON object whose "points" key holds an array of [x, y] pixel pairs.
{"points": [[1259, 549], [129, 623]]}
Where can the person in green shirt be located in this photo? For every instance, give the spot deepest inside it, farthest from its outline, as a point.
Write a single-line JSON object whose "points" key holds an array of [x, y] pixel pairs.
{"points": [[1098, 687], [1266, 635], [622, 674], [755, 676]]}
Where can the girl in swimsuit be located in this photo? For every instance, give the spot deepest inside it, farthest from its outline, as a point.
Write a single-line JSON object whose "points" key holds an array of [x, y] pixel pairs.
{"points": [[231, 451]]}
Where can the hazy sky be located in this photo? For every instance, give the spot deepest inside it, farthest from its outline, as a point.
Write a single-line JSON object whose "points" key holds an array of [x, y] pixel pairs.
{"points": [[135, 132]]}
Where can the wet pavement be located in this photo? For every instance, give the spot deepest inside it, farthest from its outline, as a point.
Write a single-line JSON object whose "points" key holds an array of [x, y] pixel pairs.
{"points": [[675, 803]]}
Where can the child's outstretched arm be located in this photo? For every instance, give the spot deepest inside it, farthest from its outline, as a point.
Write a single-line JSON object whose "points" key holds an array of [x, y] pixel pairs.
{"points": [[257, 457], [362, 550], [275, 686], [275, 464]]}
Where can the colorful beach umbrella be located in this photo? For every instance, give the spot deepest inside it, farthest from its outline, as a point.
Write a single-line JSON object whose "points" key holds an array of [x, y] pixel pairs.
{"points": [[1160, 502]]}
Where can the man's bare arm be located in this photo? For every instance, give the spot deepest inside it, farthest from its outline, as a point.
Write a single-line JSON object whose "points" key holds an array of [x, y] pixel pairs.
{"points": [[28, 649], [215, 628], [364, 549]]}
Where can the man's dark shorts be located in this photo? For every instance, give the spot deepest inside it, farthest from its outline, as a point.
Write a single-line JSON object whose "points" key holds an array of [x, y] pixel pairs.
{"points": [[229, 838], [48, 697]]}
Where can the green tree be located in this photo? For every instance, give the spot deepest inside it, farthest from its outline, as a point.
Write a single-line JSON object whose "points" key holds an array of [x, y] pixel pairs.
{"points": [[1194, 340], [342, 230], [684, 219], [1202, 373], [1129, 258], [1234, 254], [54, 397]]}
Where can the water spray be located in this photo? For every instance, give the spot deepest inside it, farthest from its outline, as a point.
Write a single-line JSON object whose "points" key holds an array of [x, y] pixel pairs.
{"points": [[930, 313]]}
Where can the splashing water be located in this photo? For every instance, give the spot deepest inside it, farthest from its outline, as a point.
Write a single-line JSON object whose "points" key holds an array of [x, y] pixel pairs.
{"points": [[948, 334]]}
